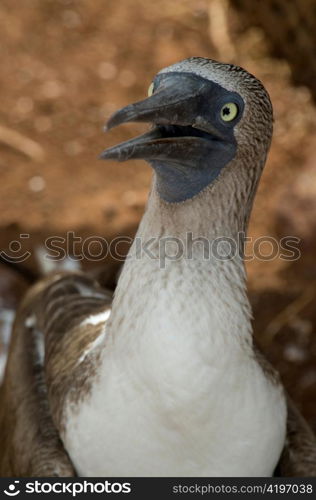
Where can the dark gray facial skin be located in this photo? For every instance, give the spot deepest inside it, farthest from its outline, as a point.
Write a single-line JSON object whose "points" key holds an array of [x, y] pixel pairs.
{"points": [[190, 143]]}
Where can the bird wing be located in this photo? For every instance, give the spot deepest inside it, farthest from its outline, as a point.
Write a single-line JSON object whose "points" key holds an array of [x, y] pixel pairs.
{"points": [[298, 458], [47, 342]]}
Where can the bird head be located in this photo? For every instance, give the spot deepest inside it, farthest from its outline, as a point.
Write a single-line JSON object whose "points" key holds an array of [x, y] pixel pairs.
{"points": [[206, 117]]}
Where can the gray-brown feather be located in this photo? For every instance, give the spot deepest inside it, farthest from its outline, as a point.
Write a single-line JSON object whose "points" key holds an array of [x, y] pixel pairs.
{"points": [[298, 458], [29, 442], [33, 392]]}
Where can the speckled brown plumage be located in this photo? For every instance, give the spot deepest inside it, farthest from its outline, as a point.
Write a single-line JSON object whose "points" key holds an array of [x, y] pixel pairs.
{"points": [[299, 455], [31, 398], [29, 441]]}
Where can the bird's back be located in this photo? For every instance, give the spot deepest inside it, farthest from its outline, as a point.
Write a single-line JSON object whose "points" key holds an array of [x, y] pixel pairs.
{"points": [[41, 368]]}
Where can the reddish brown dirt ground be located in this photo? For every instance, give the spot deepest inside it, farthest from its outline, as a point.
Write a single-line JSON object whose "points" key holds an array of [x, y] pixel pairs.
{"points": [[66, 66]]}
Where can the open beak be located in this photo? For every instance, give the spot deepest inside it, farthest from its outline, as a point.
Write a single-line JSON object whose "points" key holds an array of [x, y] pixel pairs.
{"points": [[179, 130]]}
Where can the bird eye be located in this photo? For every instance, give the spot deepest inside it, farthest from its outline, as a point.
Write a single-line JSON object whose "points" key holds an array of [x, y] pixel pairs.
{"points": [[229, 111], [150, 89]]}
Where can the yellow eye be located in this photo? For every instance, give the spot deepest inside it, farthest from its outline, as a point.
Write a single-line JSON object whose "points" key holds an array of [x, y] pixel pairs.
{"points": [[150, 89], [229, 111]]}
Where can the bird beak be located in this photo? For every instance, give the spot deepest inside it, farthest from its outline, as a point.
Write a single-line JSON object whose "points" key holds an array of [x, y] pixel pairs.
{"points": [[179, 128]]}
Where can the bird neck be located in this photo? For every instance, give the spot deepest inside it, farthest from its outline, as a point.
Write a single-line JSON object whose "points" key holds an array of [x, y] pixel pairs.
{"points": [[175, 271]]}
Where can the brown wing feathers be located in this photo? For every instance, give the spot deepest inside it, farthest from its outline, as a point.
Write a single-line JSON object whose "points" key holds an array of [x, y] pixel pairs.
{"points": [[299, 455], [32, 395]]}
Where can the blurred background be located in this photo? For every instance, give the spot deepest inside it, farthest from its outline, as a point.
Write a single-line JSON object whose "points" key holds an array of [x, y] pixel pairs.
{"points": [[66, 65]]}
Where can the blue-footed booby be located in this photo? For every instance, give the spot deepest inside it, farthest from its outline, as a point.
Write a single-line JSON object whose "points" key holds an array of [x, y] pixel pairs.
{"points": [[163, 378]]}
